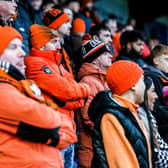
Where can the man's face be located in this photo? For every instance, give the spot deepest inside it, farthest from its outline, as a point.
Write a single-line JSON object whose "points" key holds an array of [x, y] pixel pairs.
{"points": [[105, 37], [53, 44], [8, 9], [139, 90], [36, 4], [161, 62], [65, 29], [105, 60], [135, 48], [14, 54], [112, 25]]}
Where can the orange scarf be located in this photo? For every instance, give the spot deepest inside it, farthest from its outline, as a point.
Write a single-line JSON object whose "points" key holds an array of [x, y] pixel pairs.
{"points": [[27, 87], [126, 103]]}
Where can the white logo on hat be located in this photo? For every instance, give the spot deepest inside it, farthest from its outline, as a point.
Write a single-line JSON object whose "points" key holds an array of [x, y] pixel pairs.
{"points": [[94, 43]]}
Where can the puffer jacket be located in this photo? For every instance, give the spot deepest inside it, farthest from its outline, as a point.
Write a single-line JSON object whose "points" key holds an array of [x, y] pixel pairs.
{"points": [[31, 134], [95, 78], [55, 82]]}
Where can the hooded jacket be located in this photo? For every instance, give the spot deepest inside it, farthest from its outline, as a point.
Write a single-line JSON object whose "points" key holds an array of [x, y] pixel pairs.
{"points": [[95, 78], [55, 82]]}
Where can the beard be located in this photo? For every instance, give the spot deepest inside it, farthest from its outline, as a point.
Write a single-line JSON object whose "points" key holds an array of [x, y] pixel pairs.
{"points": [[133, 53]]}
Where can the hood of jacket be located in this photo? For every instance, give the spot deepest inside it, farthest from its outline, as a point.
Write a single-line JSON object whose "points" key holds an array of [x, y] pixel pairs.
{"points": [[88, 69]]}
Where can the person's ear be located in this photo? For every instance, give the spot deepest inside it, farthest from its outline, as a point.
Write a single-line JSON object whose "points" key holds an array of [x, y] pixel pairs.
{"points": [[156, 60], [128, 46], [95, 37], [133, 88]]}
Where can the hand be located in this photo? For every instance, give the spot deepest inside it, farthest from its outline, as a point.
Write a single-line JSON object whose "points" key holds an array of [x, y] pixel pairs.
{"points": [[7, 9]]}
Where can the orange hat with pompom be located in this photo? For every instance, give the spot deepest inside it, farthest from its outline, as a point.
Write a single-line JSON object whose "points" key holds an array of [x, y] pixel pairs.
{"points": [[54, 18], [40, 35], [7, 34]]}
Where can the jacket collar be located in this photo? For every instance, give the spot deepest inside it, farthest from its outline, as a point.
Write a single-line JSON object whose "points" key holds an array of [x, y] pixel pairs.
{"points": [[126, 103], [53, 56], [88, 69]]}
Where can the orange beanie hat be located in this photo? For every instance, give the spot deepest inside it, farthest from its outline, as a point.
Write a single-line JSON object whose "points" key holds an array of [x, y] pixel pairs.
{"points": [[7, 34], [78, 26], [40, 35], [122, 75], [54, 18]]}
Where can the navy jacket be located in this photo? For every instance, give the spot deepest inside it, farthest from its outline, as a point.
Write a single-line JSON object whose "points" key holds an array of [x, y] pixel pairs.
{"points": [[26, 16]]}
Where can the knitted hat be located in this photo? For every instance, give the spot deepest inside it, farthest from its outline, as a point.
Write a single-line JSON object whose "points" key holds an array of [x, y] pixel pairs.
{"points": [[7, 34], [91, 49], [78, 26], [122, 75], [54, 18], [40, 35]]}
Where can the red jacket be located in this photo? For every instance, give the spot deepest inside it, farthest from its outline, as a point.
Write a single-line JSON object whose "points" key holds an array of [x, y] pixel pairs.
{"points": [[31, 134], [55, 82], [95, 78]]}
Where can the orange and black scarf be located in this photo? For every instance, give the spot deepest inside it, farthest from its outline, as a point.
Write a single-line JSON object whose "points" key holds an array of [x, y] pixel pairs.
{"points": [[10, 75]]}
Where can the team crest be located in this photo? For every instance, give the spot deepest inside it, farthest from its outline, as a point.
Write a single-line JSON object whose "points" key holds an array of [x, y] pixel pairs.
{"points": [[46, 69]]}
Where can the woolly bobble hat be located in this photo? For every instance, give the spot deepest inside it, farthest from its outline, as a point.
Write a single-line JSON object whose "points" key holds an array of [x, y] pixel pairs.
{"points": [[54, 18], [78, 26], [40, 35], [122, 75], [91, 49], [7, 34]]}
